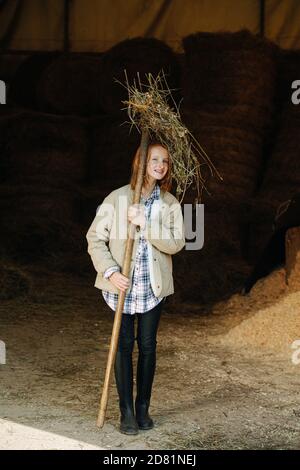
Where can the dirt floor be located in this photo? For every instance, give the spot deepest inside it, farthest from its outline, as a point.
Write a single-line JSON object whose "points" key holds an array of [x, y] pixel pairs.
{"points": [[221, 383]]}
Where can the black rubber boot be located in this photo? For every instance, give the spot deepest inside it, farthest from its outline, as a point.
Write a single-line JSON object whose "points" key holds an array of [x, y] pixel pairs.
{"points": [[124, 382], [145, 376]]}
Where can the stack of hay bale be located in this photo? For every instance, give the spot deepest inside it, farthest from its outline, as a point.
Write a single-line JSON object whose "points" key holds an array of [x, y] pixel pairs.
{"points": [[24, 82], [281, 179], [65, 148], [45, 161], [228, 89]]}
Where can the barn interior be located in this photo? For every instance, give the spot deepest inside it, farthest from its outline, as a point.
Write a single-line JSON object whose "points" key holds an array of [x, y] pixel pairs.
{"points": [[228, 365]]}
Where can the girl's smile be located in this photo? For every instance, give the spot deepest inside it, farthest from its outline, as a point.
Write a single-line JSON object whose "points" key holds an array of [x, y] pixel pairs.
{"points": [[158, 163]]}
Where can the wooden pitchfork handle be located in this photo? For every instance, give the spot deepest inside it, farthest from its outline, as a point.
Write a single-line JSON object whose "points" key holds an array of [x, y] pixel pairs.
{"points": [[125, 271]]}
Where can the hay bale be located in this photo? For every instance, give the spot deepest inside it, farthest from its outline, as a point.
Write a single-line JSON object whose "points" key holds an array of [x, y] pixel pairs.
{"points": [[47, 146], [26, 198], [89, 199], [257, 220], [228, 88], [234, 146], [3, 143], [9, 64], [143, 55], [229, 69], [23, 85], [35, 239], [281, 177], [220, 277], [38, 224], [112, 150], [7, 115], [78, 265], [13, 282], [218, 269], [72, 84]]}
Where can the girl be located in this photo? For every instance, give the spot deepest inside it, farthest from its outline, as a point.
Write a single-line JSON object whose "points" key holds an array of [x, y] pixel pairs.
{"points": [[159, 234]]}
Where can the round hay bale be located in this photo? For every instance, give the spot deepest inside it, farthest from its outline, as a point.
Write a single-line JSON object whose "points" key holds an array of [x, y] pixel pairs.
{"points": [[236, 150], [35, 239], [78, 265], [9, 64], [23, 85], [3, 145], [89, 199], [282, 177], [28, 200], [280, 183], [229, 69], [113, 146], [143, 55], [221, 277], [218, 269], [7, 117], [46, 145], [257, 219], [228, 88], [72, 85], [13, 282]]}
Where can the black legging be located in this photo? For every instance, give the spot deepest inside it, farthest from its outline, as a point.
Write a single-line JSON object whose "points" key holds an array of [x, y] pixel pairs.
{"points": [[146, 331], [146, 338]]}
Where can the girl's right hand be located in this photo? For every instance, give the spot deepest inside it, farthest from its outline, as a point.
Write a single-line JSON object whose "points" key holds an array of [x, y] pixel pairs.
{"points": [[119, 281]]}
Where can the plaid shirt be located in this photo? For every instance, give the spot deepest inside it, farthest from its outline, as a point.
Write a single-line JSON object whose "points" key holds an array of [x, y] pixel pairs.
{"points": [[141, 297]]}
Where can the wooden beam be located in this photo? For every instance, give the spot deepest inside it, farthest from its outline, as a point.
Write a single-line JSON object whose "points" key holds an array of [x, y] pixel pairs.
{"points": [[66, 25], [262, 10], [292, 257]]}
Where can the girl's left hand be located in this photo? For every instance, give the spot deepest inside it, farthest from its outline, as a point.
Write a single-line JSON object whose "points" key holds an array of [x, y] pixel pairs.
{"points": [[136, 215]]}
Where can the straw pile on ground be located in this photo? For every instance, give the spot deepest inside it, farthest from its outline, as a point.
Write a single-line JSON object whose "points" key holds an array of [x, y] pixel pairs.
{"points": [[267, 320], [138, 55]]}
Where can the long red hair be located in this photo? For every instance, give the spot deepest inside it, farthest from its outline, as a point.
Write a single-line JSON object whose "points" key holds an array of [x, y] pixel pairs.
{"points": [[164, 184]]}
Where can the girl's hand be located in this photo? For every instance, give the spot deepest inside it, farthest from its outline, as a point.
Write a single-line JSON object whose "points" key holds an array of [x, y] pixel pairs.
{"points": [[119, 281], [136, 215]]}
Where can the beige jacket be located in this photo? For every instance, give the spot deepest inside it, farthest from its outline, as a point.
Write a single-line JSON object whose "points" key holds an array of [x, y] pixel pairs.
{"points": [[164, 233]]}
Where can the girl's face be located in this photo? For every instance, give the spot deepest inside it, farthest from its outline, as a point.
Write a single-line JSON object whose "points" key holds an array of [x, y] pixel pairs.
{"points": [[158, 163]]}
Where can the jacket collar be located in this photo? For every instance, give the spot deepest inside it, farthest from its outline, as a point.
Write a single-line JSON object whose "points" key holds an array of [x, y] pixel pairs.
{"points": [[156, 194]]}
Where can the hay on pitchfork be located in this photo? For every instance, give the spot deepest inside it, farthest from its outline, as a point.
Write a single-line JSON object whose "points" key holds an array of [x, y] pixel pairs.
{"points": [[150, 110]]}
